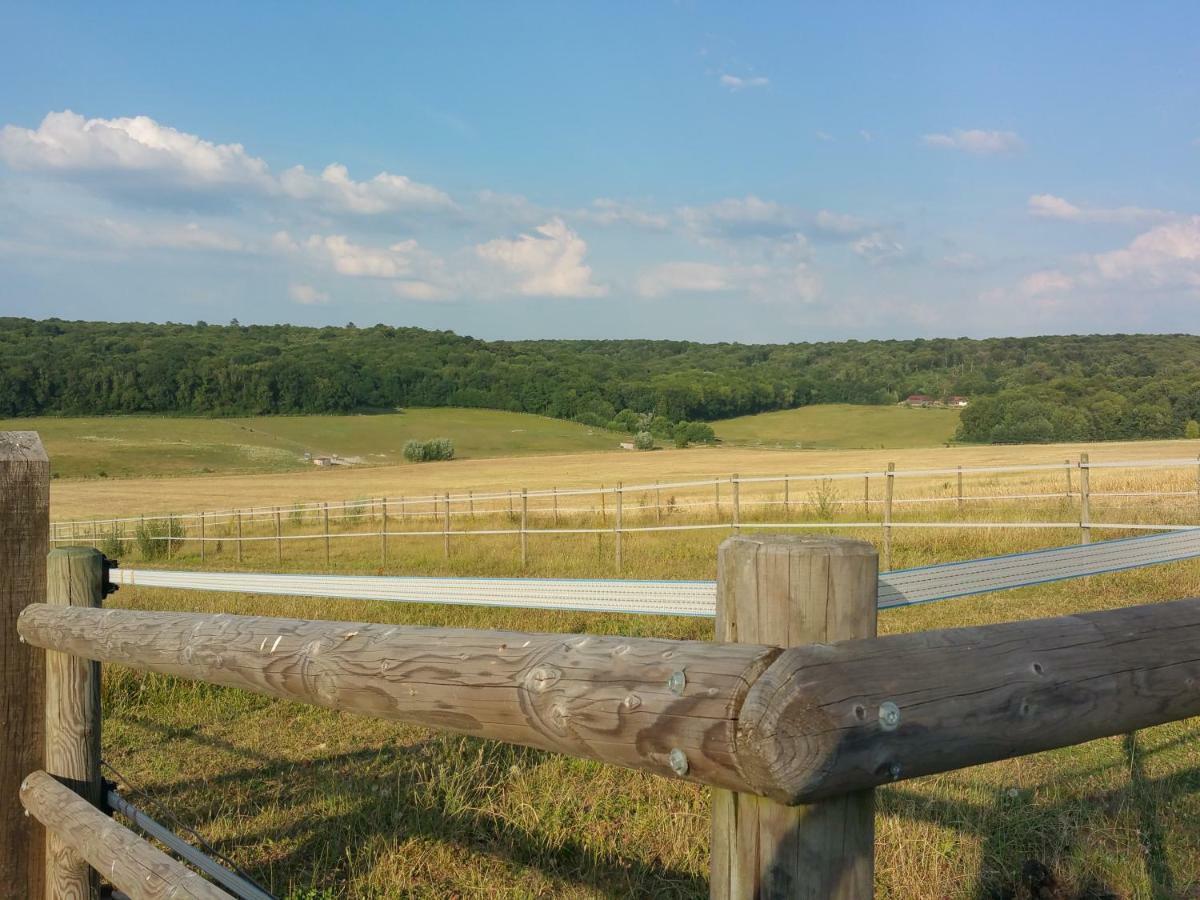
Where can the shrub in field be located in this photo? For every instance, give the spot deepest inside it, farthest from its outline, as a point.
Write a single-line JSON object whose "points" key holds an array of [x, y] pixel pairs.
{"points": [[113, 544], [1192, 429], [643, 440], [687, 433], [429, 451], [824, 499], [159, 537]]}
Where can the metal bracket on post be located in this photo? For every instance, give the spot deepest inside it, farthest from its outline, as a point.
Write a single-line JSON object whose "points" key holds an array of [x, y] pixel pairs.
{"points": [[107, 585]]}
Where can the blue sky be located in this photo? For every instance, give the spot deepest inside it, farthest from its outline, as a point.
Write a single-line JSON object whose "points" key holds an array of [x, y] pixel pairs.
{"points": [[756, 172]]}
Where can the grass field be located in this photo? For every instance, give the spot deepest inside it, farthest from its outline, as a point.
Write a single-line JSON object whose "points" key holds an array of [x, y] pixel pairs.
{"points": [[840, 426], [133, 446], [108, 497]]}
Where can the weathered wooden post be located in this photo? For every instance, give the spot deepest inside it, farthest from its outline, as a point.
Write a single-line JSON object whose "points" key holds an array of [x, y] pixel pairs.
{"points": [[1085, 506], [239, 535], [203, 542], [24, 531], [1067, 468], [866, 496], [74, 577], [603, 508], [888, 494], [657, 504], [278, 538], [787, 486], [737, 503], [471, 503], [524, 525], [787, 590], [960, 490], [617, 527], [556, 506]]}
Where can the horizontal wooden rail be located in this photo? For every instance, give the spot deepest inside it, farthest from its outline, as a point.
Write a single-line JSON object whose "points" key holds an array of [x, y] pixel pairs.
{"points": [[796, 725], [129, 863], [638, 702]]}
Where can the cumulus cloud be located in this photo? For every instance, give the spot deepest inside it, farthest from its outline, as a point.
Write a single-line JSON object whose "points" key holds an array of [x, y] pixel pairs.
{"points": [[548, 263], [742, 82], [1166, 256], [140, 153], [977, 141], [839, 224], [682, 277], [66, 142], [307, 295], [1048, 206], [360, 261]]}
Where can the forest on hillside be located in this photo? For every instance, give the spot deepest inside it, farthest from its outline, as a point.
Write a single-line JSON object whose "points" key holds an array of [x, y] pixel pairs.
{"points": [[1091, 387]]}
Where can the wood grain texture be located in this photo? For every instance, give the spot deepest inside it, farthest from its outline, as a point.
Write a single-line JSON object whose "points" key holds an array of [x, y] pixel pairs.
{"points": [[604, 698], [790, 590], [965, 696], [24, 541], [74, 577], [131, 864]]}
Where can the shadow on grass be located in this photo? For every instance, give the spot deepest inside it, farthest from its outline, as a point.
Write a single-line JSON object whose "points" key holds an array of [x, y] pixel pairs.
{"points": [[392, 791], [318, 852]]}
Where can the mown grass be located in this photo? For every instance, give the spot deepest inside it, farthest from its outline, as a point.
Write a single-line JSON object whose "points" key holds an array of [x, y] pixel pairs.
{"points": [[135, 446], [319, 804], [842, 426]]}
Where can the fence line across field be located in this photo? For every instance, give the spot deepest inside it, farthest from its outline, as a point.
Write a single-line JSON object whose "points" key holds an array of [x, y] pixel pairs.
{"points": [[464, 500]]}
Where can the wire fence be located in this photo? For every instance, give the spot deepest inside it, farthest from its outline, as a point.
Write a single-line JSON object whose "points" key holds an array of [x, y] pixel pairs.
{"points": [[1129, 496]]}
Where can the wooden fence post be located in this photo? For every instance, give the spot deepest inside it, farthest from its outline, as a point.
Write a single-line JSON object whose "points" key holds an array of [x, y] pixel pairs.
{"points": [[24, 530], [524, 525], [617, 527], [239, 535], [1067, 468], [278, 537], [325, 518], [888, 494], [960, 490], [74, 577], [383, 532], [657, 503], [603, 510], [203, 542], [717, 495], [1085, 506], [556, 506], [788, 590], [787, 486], [471, 502], [866, 496], [446, 525], [737, 502]]}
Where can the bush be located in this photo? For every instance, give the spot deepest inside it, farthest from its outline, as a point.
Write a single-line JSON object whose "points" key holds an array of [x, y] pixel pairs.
{"points": [[159, 538], [1192, 429], [429, 451], [643, 440], [686, 433]]}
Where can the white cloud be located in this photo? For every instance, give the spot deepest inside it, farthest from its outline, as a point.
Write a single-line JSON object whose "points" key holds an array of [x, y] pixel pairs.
{"points": [[742, 82], [171, 236], [549, 263], [1048, 206], [879, 249], [740, 217], [682, 277], [357, 260], [839, 224], [1047, 281], [142, 155], [66, 142], [385, 193], [1166, 256], [307, 295], [604, 211], [977, 141], [419, 290]]}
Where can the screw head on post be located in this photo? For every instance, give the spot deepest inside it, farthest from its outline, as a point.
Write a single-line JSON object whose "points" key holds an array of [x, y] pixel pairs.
{"points": [[679, 762], [889, 716]]}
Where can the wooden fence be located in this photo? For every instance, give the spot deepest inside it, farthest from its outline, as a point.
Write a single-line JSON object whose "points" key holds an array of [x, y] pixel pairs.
{"points": [[793, 715]]}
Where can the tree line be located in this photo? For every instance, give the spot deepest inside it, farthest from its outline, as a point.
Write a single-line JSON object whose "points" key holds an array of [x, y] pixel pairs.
{"points": [[1092, 387]]}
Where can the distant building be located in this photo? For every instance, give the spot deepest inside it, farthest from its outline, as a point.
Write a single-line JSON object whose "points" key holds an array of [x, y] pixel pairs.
{"points": [[956, 402], [322, 461], [628, 445], [919, 400]]}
